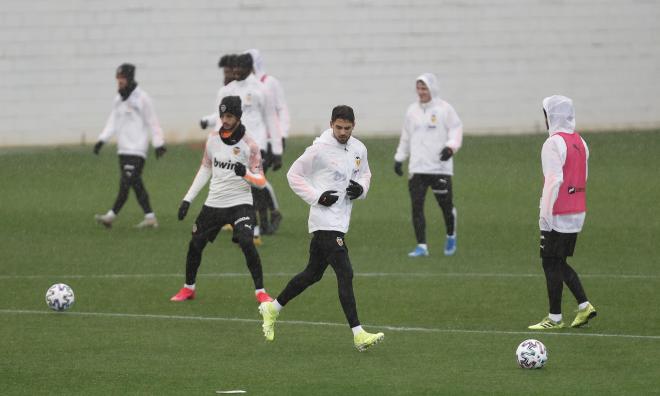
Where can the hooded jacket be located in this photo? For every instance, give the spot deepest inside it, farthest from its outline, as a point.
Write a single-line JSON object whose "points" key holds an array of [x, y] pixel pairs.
{"points": [[330, 165], [133, 120], [427, 129], [561, 118], [275, 90]]}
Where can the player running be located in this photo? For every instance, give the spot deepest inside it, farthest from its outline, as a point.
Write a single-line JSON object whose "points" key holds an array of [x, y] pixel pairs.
{"points": [[232, 161], [329, 175]]}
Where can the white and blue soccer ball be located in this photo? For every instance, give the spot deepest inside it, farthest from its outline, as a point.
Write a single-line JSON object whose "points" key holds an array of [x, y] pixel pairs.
{"points": [[531, 354], [59, 297]]}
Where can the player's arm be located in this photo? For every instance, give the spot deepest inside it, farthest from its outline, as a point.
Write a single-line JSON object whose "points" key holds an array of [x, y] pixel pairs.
{"points": [[403, 149], [203, 175], [254, 174], [282, 108], [365, 175], [454, 128], [150, 119], [551, 160], [270, 118], [298, 177], [107, 132]]}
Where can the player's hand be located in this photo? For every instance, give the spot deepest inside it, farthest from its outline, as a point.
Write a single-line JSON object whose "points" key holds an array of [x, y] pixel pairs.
{"points": [[203, 123], [276, 161], [446, 153], [97, 147], [328, 198], [160, 151], [283, 144], [239, 169], [398, 168], [183, 210], [354, 189]]}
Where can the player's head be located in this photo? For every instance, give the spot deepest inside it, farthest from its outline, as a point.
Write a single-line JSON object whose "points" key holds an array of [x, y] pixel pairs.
{"points": [[243, 66], [559, 114], [427, 87], [125, 75], [230, 112], [342, 123], [227, 64], [257, 62]]}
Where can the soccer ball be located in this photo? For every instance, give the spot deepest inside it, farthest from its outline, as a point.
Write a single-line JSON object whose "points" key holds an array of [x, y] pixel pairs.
{"points": [[531, 354], [59, 297]]}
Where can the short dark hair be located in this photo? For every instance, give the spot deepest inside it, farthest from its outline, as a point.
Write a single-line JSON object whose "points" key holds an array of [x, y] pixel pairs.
{"points": [[224, 61], [126, 70], [344, 112], [244, 61]]}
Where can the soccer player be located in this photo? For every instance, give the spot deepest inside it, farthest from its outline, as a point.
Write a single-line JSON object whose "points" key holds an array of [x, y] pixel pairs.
{"points": [[260, 122], [232, 161], [132, 119], [227, 63], [432, 133], [274, 89], [329, 175], [564, 158]]}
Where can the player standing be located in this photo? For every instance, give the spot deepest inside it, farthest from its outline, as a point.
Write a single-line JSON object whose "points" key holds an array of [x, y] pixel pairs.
{"points": [[132, 118], [432, 133], [229, 200], [564, 159], [329, 175]]}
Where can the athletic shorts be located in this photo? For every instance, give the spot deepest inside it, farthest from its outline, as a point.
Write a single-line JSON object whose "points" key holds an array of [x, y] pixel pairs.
{"points": [[557, 244], [210, 220]]}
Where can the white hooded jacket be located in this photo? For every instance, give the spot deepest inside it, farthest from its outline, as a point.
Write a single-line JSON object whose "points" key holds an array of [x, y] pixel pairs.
{"points": [[329, 165], [275, 90], [427, 129], [561, 118], [133, 120]]}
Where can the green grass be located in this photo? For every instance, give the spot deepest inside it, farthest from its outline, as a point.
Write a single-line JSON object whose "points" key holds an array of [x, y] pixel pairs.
{"points": [[451, 324]]}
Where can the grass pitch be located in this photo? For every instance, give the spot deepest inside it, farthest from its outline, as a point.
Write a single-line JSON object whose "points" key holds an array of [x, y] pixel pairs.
{"points": [[451, 324]]}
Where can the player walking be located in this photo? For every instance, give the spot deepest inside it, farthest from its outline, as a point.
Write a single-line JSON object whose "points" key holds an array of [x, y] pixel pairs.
{"points": [[564, 159], [132, 119], [229, 200], [329, 175], [432, 133]]}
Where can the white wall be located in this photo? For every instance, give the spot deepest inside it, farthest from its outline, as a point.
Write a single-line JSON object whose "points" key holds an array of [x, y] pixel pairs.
{"points": [[496, 60]]}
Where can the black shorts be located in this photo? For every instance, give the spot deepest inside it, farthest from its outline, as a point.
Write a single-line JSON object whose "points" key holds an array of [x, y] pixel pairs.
{"points": [[131, 166], [211, 220], [557, 244]]}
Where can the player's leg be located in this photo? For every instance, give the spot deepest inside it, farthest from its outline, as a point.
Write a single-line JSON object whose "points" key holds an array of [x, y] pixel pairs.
{"points": [[142, 196], [551, 260], [125, 172], [243, 221], [206, 228], [273, 207], [417, 188], [442, 190], [311, 274], [341, 264]]}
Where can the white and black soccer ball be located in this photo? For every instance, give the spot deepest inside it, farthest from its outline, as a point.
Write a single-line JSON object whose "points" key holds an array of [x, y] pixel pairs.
{"points": [[531, 354], [59, 297]]}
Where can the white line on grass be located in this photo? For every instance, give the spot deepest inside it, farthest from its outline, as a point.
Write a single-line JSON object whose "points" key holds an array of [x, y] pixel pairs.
{"points": [[306, 323], [359, 274]]}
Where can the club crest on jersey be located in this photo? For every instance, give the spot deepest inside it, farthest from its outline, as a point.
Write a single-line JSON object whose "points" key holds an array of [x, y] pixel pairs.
{"points": [[434, 120], [236, 150], [340, 241], [357, 161]]}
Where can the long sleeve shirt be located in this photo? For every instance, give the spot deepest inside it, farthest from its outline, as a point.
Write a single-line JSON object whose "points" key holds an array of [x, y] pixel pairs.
{"points": [[329, 165]]}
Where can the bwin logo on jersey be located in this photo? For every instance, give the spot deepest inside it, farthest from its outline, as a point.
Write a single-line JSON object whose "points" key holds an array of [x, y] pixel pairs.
{"points": [[222, 164]]}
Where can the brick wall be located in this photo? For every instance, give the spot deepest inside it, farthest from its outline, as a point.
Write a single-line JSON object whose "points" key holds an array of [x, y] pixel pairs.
{"points": [[495, 59]]}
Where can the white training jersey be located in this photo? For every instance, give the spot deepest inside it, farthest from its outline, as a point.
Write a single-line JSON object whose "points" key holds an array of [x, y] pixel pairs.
{"points": [[329, 165], [133, 120], [226, 188], [427, 129], [274, 88], [258, 116]]}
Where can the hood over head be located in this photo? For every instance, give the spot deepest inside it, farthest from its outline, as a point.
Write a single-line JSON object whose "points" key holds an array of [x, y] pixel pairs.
{"points": [[431, 82], [560, 113], [257, 62]]}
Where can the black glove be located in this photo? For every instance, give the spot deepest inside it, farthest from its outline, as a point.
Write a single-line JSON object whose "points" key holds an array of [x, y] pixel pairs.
{"points": [[183, 209], [97, 147], [446, 153], [276, 161], [354, 189], [328, 198], [239, 169], [160, 151], [397, 168], [203, 123]]}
